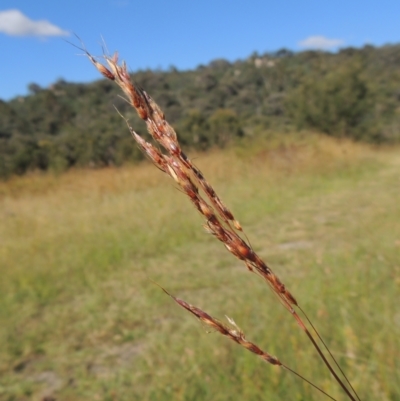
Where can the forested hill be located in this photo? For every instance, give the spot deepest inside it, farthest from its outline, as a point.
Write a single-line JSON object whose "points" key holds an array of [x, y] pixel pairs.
{"points": [[355, 93]]}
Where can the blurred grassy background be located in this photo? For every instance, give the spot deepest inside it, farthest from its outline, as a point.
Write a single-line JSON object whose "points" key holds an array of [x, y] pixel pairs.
{"points": [[80, 319]]}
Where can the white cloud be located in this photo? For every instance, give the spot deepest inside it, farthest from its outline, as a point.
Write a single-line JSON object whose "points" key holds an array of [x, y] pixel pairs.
{"points": [[320, 42], [14, 23]]}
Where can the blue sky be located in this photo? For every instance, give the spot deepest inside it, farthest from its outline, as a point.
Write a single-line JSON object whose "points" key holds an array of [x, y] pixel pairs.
{"points": [[183, 33]]}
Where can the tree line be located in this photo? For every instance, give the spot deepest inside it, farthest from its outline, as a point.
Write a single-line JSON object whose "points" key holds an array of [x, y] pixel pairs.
{"points": [[352, 93]]}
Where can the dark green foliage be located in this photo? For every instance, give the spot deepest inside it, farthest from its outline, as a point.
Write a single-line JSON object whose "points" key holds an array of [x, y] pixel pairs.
{"points": [[224, 126], [221, 128], [355, 93], [339, 103], [194, 129]]}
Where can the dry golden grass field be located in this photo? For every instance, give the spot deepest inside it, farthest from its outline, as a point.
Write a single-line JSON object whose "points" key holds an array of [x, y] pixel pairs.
{"points": [[80, 318]]}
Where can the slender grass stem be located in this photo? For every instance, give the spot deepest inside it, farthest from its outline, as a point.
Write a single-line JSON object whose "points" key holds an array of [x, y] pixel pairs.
{"points": [[219, 220]]}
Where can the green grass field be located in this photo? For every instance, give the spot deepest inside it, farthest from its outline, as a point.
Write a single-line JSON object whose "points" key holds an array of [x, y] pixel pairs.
{"points": [[80, 318]]}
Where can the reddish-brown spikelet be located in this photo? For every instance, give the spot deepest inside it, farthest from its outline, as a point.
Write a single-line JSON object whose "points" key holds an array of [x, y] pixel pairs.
{"points": [[235, 334], [225, 213], [290, 298], [154, 155], [214, 227], [206, 209], [182, 178], [101, 68]]}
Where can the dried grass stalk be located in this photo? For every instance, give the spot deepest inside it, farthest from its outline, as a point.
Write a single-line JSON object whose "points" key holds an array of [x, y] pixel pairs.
{"points": [[234, 333], [219, 220]]}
